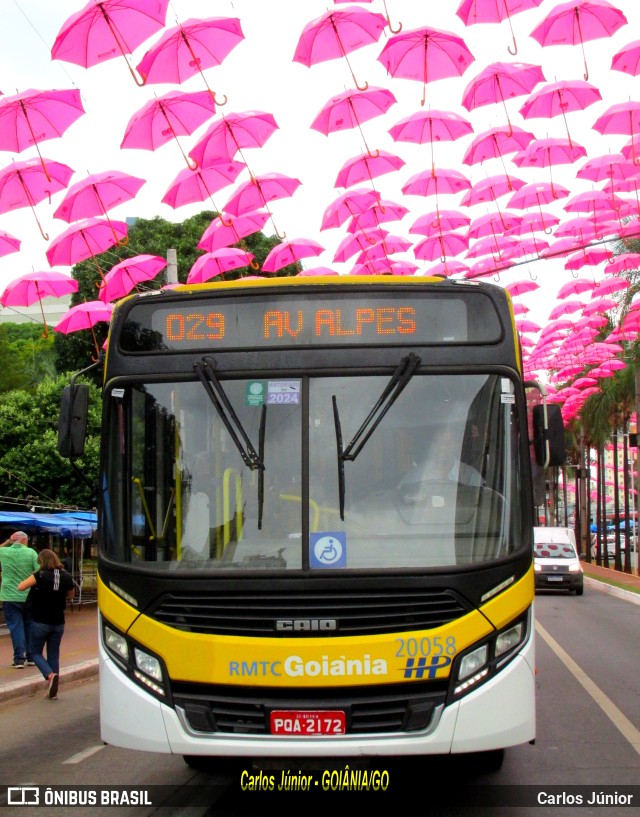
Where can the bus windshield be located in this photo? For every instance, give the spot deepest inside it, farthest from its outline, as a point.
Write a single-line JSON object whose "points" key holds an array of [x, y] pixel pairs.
{"points": [[437, 484]]}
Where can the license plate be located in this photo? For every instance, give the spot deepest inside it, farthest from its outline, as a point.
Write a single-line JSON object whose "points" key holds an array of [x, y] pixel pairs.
{"points": [[308, 722], [555, 579]]}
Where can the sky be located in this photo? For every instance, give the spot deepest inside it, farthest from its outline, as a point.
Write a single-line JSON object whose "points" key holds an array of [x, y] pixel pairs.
{"points": [[259, 74]]}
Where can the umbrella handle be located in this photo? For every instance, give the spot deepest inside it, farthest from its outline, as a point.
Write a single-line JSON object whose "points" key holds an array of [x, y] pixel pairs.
{"points": [[391, 28], [254, 264]]}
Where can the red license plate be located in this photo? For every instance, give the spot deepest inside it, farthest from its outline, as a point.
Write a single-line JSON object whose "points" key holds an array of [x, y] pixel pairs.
{"points": [[310, 723]]}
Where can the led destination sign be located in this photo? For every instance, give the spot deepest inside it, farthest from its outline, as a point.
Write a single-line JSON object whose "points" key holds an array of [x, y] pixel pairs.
{"points": [[300, 320]]}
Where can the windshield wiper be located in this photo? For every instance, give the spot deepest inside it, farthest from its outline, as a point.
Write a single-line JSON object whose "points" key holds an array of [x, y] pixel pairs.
{"points": [[399, 380], [205, 369]]}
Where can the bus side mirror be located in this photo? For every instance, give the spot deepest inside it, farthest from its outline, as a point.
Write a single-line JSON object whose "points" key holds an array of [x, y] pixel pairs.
{"points": [[72, 423], [548, 437]]}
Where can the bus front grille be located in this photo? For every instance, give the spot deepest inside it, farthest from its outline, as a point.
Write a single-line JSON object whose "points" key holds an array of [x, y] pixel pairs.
{"points": [[286, 614], [400, 708]]}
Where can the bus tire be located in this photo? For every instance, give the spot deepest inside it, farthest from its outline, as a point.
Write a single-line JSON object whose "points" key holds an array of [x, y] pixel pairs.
{"points": [[488, 762]]}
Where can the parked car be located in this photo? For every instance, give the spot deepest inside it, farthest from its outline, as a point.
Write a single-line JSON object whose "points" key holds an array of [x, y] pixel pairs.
{"points": [[555, 560]]}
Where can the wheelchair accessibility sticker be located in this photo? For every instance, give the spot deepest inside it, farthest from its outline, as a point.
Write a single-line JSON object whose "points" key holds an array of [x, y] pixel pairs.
{"points": [[328, 549]]}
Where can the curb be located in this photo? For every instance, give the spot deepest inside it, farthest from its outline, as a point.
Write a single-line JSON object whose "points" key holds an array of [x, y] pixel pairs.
{"points": [[628, 595], [32, 686]]}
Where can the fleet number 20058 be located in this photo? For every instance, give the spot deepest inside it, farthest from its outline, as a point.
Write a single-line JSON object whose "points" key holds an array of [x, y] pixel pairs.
{"points": [[438, 645]]}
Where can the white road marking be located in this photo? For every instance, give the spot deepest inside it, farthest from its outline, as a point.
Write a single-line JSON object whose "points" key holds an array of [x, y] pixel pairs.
{"points": [[80, 756], [619, 720]]}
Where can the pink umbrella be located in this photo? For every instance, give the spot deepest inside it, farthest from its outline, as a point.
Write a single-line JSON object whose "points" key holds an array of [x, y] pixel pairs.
{"points": [[388, 245], [436, 181], [85, 316], [101, 31], [8, 243], [559, 98], [315, 271], [363, 168], [258, 191], [577, 22], [524, 325], [576, 287], [516, 288], [24, 184], [494, 244], [290, 252], [166, 117], [535, 221], [96, 194], [549, 152], [491, 189], [440, 246], [439, 221], [352, 244], [228, 135], [611, 285], [494, 11], [493, 223], [501, 81], [218, 262], [84, 240], [496, 143], [587, 257], [32, 117], [600, 306], [34, 286], [622, 262], [221, 233], [127, 274], [536, 194], [624, 118], [188, 48], [627, 59], [593, 201], [431, 126], [425, 55], [351, 108], [376, 215], [337, 33], [197, 185], [610, 167], [447, 268], [348, 204]]}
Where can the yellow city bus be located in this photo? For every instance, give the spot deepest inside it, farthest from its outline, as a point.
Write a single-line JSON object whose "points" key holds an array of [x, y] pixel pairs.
{"points": [[315, 520]]}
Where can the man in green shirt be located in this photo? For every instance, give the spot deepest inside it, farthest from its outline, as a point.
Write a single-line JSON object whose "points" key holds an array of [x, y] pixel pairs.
{"points": [[17, 562]]}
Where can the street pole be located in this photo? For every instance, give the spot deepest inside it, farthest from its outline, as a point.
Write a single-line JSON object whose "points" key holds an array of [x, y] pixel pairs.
{"points": [[172, 266]]}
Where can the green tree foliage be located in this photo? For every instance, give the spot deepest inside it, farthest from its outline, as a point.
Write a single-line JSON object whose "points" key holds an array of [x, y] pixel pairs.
{"points": [[153, 236], [30, 467], [25, 356]]}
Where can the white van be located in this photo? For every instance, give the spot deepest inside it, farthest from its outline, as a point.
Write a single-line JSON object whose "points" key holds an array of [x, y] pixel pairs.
{"points": [[555, 560]]}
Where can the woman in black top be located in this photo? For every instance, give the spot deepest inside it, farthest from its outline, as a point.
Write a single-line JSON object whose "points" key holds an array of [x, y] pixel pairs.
{"points": [[51, 586]]}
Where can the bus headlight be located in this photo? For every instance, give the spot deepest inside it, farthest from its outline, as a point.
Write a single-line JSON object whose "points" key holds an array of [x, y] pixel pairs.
{"points": [[509, 639], [117, 644], [148, 664], [473, 662]]}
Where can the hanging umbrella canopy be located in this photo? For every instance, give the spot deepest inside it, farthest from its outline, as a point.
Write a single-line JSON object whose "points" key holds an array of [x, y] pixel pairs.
{"points": [[431, 126], [472, 12], [230, 134], [290, 252], [439, 221], [31, 117], [351, 108], [85, 239], [8, 243], [337, 33], [105, 30], [218, 262], [190, 186], [260, 190], [188, 48], [491, 189], [97, 194], [610, 167], [127, 274], [435, 181], [26, 183], [627, 59], [84, 316], [499, 82], [347, 205], [425, 55], [448, 267], [577, 22], [493, 223], [522, 287], [440, 246], [224, 232], [496, 143], [32, 287], [559, 99], [376, 215], [365, 168], [167, 117]]}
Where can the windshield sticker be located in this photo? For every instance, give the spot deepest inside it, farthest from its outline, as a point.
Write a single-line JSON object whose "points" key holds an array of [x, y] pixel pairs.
{"points": [[254, 395], [283, 392], [328, 549]]}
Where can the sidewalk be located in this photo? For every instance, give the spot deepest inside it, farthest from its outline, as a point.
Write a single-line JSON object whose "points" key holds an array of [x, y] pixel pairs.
{"points": [[78, 656], [79, 650]]}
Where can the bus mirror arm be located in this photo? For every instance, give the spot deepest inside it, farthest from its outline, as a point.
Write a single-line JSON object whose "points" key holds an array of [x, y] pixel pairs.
{"points": [[261, 433], [394, 388]]}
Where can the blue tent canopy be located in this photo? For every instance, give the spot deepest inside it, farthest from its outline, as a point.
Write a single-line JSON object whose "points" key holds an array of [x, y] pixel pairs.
{"points": [[79, 524]]}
